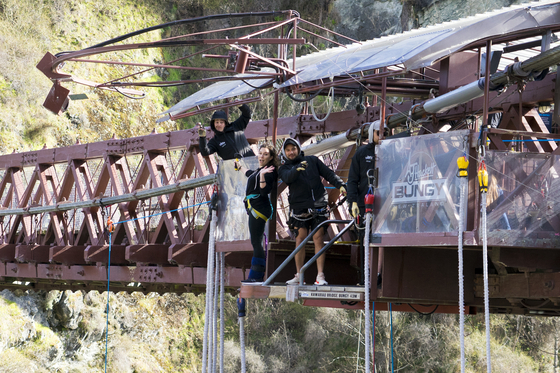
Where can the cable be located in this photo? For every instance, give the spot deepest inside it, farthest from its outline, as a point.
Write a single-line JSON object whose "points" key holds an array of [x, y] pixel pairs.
{"points": [[107, 311], [424, 313], [331, 103], [242, 344], [184, 21], [215, 312], [222, 320], [367, 293], [464, 182], [303, 99], [485, 271], [130, 96], [209, 288], [391, 324]]}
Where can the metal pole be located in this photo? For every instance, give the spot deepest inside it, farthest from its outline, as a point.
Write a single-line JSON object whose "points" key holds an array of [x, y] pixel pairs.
{"points": [[322, 251], [486, 85], [297, 249]]}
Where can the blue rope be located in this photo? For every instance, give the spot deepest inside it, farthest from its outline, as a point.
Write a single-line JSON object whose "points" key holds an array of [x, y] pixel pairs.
{"points": [[391, 318], [530, 140], [108, 282], [162, 213], [109, 268]]}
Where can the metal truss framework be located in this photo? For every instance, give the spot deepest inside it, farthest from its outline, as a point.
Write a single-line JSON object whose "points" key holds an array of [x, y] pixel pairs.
{"points": [[160, 244]]}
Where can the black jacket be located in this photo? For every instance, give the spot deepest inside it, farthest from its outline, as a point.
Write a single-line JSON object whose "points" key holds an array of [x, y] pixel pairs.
{"points": [[306, 187], [358, 184], [262, 202], [231, 143]]}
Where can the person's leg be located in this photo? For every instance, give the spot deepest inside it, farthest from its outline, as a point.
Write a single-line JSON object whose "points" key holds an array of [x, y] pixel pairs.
{"points": [[258, 262], [256, 230], [300, 256], [318, 241]]}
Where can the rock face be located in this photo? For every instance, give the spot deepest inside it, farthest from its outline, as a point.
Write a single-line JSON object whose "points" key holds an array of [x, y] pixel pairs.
{"points": [[65, 309], [366, 19]]}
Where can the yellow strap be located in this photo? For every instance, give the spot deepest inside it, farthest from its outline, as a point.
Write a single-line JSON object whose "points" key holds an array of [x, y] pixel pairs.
{"points": [[255, 213]]}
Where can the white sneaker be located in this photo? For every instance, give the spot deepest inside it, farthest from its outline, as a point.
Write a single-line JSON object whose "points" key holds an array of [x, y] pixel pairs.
{"points": [[295, 280], [321, 279]]}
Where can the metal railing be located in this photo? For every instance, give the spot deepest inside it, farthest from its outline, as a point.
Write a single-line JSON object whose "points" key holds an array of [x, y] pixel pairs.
{"points": [[302, 245]]}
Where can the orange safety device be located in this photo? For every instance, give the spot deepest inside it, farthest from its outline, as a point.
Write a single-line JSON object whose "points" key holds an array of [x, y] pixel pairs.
{"points": [[110, 225]]}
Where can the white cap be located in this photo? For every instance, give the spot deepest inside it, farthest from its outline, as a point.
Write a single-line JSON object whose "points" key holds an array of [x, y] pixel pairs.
{"points": [[373, 126]]}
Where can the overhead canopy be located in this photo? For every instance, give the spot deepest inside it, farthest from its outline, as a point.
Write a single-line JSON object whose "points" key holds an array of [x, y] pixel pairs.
{"points": [[423, 47], [220, 91], [411, 50]]}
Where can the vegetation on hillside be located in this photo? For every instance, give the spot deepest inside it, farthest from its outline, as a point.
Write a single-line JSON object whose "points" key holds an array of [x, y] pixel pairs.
{"points": [[66, 331]]}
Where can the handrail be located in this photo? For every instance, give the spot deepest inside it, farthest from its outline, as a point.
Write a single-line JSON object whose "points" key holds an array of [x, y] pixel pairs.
{"points": [[325, 248], [301, 245]]}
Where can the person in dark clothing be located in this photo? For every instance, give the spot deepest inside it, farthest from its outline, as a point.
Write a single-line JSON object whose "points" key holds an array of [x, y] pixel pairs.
{"points": [[229, 139], [308, 200], [362, 162], [259, 184], [359, 183]]}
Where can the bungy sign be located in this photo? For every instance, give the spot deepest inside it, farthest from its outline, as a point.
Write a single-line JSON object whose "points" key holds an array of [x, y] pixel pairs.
{"points": [[419, 186], [418, 190]]}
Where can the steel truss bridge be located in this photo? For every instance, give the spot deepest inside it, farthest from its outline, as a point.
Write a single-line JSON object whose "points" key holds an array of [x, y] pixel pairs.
{"points": [[54, 203]]}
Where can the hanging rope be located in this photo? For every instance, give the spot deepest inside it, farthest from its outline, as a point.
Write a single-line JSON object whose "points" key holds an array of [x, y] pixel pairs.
{"points": [[367, 292], [209, 289], [462, 164], [483, 183], [215, 314], [110, 228], [331, 103], [108, 282], [359, 343], [241, 315], [222, 291], [391, 322], [373, 335]]}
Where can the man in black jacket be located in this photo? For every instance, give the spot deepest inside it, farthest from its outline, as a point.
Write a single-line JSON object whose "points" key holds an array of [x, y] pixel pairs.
{"points": [[359, 183], [229, 139], [308, 200], [362, 162]]}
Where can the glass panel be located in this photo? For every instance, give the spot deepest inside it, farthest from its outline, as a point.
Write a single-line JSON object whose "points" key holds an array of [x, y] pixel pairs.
{"points": [[523, 200], [232, 216], [418, 190]]}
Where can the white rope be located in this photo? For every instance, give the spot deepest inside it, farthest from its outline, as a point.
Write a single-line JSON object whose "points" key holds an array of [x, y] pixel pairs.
{"points": [[367, 293], [331, 103], [222, 257], [215, 314], [242, 343], [464, 181], [485, 269], [209, 289], [359, 343]]}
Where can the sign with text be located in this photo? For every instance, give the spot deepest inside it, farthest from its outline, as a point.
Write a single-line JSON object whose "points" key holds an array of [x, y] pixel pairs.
{"points": [[418, 190]]}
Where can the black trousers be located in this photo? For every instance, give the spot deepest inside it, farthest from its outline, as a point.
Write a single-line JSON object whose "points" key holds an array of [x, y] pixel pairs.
{"points": [[256, 229]]}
